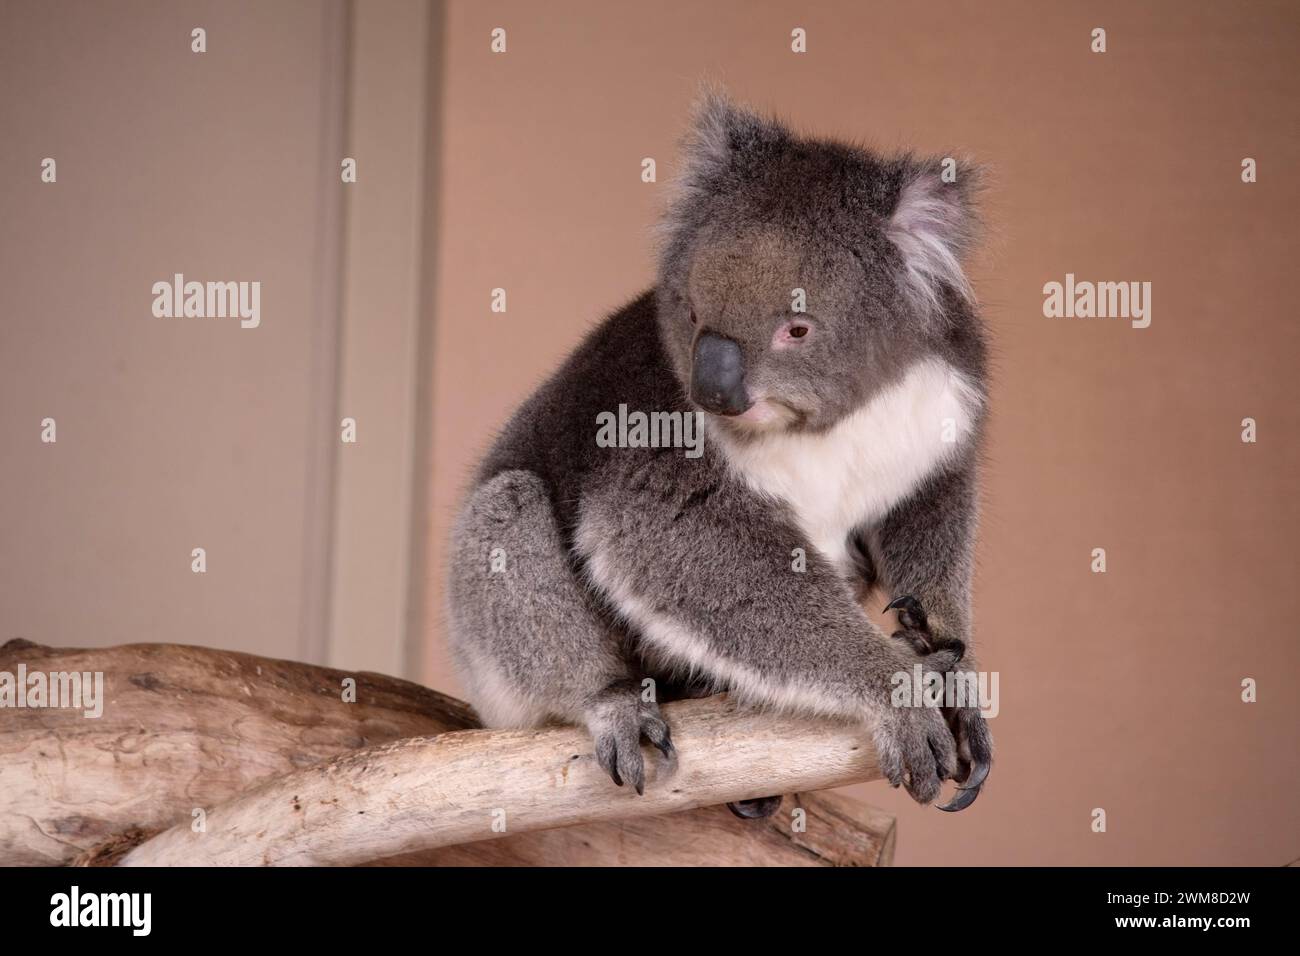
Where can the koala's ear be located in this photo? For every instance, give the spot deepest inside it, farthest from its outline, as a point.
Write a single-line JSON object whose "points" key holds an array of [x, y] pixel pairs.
{"points": [[724, 144], [934, 224], [721, 135]]}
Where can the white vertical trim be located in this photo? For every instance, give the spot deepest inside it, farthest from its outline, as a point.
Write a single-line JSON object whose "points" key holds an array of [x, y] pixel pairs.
{"points": [[318, 494], [379, 355], [417, 616]]}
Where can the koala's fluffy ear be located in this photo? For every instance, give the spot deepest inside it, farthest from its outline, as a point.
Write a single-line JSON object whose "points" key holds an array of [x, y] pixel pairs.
{"points": [[720, 131], [723, 143], [934, 225]]}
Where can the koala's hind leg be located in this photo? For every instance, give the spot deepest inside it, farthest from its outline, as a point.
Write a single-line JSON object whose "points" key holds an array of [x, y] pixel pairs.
{"points": [[527, 638]]}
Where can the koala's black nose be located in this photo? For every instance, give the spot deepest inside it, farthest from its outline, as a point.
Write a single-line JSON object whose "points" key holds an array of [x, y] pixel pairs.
{"points": [[718, 376]]}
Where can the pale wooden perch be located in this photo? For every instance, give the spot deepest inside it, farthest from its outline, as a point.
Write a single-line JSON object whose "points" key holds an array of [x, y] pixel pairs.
{"points": [[427, 792], [268, 750]]}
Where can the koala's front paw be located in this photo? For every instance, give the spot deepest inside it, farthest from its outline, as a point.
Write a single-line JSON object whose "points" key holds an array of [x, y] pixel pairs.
{"points": [[618, 718], [915, 631], [973, 741], [916, 750]]}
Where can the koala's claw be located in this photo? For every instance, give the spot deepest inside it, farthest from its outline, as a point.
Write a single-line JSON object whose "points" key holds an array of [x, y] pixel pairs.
{"points": [[916, 629], [961, 801], [966, 795], [618, 765], [910, 613], [978, 775], [664, 742], [975, 757]]}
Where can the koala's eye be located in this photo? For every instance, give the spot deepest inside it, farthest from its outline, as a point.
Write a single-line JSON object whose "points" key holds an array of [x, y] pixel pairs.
{"points": [[693, 319], [791, 334]]}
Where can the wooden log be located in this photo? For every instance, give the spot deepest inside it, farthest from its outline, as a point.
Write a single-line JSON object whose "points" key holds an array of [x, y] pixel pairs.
{"points": [[426, 792], [183, 729], [188, 728], [812, 829], [835, 830]]}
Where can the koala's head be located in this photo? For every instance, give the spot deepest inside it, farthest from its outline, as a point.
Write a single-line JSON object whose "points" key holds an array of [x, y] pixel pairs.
{"points": [[798, 276]]}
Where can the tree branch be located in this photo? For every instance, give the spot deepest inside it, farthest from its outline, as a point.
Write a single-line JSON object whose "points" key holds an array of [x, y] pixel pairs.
{"points": [[285, 771], [426, 792]]}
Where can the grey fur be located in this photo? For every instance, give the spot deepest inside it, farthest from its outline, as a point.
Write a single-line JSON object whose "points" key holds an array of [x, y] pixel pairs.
{"points": [[599, 541]]}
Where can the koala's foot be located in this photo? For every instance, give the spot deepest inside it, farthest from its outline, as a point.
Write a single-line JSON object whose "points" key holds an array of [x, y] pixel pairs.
{"points": [[757, 809], [618, 718], [969, 731]]}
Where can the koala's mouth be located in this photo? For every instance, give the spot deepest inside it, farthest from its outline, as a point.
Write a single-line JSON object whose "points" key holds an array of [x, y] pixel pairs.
{"points": [[763, 413]]}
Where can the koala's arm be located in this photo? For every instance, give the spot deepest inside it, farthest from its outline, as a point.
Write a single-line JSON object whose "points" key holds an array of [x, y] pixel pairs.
{"points": [[924, 548], [704, 573]]}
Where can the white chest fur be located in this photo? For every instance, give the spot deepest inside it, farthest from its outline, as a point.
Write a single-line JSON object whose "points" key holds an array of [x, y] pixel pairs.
{"points": [[851, 475]]}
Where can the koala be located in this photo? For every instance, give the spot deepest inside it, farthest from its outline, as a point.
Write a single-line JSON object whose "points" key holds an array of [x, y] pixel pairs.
{"points": [[811, 311]]}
